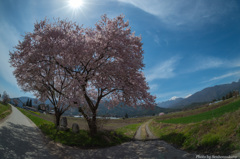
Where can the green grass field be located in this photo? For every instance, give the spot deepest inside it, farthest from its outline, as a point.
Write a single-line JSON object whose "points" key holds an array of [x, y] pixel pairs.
{"points": [[5, 110], [215, 113], [212, 132]]}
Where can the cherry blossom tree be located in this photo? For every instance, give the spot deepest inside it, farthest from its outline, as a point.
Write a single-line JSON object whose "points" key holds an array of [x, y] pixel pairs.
{"points": [[101, 64], [37, 72]]}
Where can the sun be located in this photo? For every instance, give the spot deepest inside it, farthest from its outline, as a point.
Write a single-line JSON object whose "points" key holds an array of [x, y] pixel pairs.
{"points": [[75, 4]]}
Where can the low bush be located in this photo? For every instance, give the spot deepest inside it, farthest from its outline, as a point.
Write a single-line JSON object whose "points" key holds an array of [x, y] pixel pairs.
{"points": [[209, 141], [174, 138]]}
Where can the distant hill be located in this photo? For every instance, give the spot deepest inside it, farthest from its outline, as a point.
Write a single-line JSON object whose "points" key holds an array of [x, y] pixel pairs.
{"points": [[204, 96]]}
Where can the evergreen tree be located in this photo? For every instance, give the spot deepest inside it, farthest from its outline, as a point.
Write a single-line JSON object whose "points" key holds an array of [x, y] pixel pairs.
{"points": [[30, 103], [27, 103], [126, 115], [223, 98]]}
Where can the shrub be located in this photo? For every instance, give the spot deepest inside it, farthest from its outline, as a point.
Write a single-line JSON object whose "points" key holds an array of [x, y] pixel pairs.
{"points": [[210, 140], [174, 138]]}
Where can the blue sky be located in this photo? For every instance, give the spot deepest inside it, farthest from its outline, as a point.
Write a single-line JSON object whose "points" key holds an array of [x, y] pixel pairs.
{"points": [[188, 45]]}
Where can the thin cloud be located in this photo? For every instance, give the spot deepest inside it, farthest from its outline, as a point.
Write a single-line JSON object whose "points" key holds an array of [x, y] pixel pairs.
{"points": [[162, 71], [153, 87], [233, 63], [208, 62], [199, 63], [156, 40], [183, 12], [225, 76]]}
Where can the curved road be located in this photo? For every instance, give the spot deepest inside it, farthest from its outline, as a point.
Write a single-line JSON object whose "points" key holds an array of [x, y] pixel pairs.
{"points": [[20, 138]]}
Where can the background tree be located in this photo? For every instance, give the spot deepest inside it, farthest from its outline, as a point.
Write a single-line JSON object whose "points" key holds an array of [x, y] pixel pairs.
{"points": [[126, 115], [27, 103], [5, 98], [102, 64], [30, 103], [47, 108], [223, 98]]}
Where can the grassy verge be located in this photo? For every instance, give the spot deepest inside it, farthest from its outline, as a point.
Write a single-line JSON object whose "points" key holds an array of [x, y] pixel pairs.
{"points": [[215, 136], [81, 139], [129, 130], [5, 110], [38, 121], [215, 113]]}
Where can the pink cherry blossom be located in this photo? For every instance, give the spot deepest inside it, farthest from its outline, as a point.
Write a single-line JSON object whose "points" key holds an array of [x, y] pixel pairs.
{"points": [[75, 66]]}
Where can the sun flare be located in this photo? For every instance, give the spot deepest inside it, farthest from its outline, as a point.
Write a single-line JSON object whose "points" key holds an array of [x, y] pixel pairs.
{"points": [[75, 4]]}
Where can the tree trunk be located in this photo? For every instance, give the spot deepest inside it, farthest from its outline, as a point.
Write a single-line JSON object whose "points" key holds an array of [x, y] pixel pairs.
{"points": [[57, 118], [92, 124], [92, 127]]}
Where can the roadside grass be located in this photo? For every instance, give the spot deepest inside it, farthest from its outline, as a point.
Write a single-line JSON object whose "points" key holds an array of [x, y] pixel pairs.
{"points": [[81, 139], [38, 121], [129, 130], [215, 113], [5, 110], [219, 135]]}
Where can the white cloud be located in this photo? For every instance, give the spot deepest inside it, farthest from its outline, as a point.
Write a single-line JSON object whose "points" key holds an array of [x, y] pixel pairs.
{"points": [[156, 40], [163, 70], [208, 62], [237, 73], [153, 87], [198, 63], [233, 63], [184, 12]]}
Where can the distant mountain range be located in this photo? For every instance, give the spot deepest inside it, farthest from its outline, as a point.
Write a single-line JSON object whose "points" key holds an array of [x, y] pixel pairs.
{"points": [[204, 96]]}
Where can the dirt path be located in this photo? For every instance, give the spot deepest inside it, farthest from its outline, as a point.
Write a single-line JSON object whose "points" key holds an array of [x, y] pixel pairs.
{"points": [[144, 133]]}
